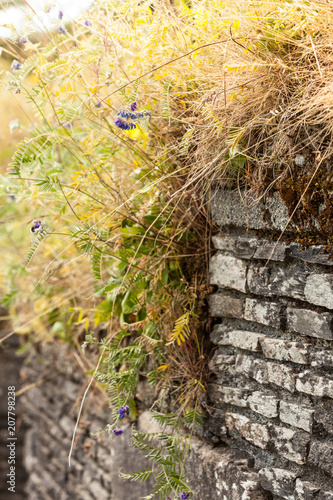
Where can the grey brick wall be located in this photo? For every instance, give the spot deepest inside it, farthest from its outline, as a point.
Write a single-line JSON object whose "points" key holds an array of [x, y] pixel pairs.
{"points": [[272, 396]]}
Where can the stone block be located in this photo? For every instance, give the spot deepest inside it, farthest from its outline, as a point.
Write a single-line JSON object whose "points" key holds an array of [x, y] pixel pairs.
{"points": [[222, 305], [321, 455], [242, 246], [314, 254], [271, 251], [228, 272], [235, 396], [296, 415], [275, 280], [324, 416], [304, 490], [284, 350], [264, 312], [233, 209], [253, 432], [322, 359], [278, 212], [242, 339], [222, 473], [281, 375], [315, 385], [252, 367], [309, 323], [290, 443], [264, 404], [325, 495], [319, 290], [279, 481], [219, 362]]}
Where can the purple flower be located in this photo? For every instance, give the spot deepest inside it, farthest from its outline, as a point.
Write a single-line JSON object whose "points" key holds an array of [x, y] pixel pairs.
{"points": [[24, 39], [124, 125], [123, 411], [67, 125], [133, 106], [117, 432], [87, 22], [17, 91], [62, 30], [98, 104], [183, 496], [15, 65], [60, 14]]}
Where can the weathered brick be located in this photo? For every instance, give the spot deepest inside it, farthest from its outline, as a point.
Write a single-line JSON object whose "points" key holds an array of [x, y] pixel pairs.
{"points": [[273, 279], [322, 359], [313, 384], [282, 376], [314, 254], [231, 208], [279, 481], [253, 432], [220, 361], [324, 416], [242, 246], [309, 323], [319, 290], [296, 415], [241, 210], [290, 443], [325, 495], [271, 251], [235, 396], [304, 490], [278, 211], [225, 306], [228, 272], [263, 403], [253, 368], [260, 311], [284, 350], [321, 455], [242, 339]]}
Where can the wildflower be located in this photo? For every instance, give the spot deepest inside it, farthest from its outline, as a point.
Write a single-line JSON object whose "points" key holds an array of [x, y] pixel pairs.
{"points": [[67, 125], [24, 39], [124, 125], [62, 30], [60, 14], [98, 104], [87, 22], [123, 411], [133, 106], [183, 496], [15, 65], [17, 91], [117, 432], [36, 226]]}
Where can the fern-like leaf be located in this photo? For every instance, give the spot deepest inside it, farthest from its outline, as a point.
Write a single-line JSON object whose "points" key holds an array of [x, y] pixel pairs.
{"points": [[185, 142], [96, 265], [142, 475], [181, 330], [33, 248]]}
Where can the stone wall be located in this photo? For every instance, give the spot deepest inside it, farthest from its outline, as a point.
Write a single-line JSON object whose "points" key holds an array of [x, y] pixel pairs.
{"points": [[272, 396], [269, 428], [9, 376], [50, 410]]}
